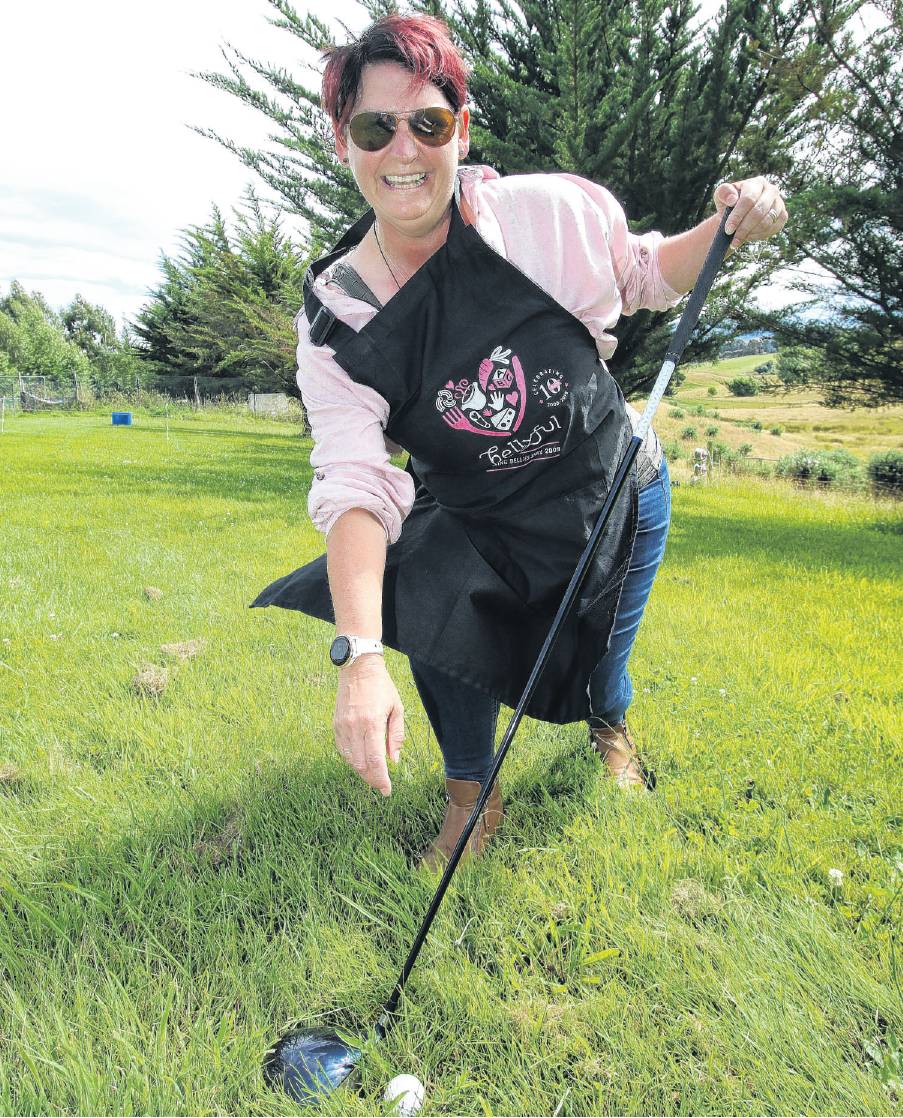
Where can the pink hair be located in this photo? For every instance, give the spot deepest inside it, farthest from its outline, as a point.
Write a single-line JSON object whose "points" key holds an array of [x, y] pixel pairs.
{"points": [[422, 44]]}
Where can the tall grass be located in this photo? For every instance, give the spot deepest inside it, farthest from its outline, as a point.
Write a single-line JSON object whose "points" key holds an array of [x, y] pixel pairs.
{"points": [[182, 876]]}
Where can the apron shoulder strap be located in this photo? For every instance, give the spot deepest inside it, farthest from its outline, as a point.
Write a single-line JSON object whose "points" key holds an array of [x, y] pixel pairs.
{"points": [[323, 323]]}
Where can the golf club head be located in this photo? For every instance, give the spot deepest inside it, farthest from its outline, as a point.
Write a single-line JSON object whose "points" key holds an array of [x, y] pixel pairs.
{"points": [[309, 1063]]}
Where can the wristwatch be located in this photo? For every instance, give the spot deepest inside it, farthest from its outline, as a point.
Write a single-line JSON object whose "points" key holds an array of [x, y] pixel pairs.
{"points": [[345, 650]]}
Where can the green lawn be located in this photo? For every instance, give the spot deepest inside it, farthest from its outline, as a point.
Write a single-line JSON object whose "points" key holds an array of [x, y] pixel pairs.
{"points": [[183, 876]]}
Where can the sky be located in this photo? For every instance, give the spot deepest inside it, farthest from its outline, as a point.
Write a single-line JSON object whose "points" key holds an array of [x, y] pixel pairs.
{"points": [[99, 170]]}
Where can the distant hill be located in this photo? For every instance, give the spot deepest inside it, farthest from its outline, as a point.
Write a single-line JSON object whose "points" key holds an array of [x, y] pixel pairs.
{"points": [[743, 344]]}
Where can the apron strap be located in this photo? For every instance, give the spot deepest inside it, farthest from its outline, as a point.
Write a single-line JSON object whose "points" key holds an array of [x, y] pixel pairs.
{"points": [[323, 323]]}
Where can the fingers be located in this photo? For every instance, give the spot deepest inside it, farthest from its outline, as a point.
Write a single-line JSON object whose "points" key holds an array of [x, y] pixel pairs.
{"points": [[758, 209], [361, 741], [376, 773], [395, 734]]}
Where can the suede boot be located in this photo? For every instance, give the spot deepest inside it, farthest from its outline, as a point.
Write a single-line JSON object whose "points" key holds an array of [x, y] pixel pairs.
{"points": [[618, 749], [460, 797]]}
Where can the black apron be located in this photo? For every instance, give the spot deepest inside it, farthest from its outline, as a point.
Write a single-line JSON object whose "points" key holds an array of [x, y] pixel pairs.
{"points": [[514, 429]]}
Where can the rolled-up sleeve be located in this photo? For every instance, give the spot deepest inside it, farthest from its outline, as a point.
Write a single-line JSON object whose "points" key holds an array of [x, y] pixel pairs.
{"points": [[351, 454], [570, 236], [635, 261]]}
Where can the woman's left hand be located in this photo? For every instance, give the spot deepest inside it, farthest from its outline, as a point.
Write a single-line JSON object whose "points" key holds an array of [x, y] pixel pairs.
{"points": [[759, 210]]}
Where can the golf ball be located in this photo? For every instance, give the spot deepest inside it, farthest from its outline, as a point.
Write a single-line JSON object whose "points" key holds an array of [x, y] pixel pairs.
{"points": [[408, 1091]]}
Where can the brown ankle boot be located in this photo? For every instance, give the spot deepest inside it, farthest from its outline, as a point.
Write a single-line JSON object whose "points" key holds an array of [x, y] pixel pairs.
{"points": [[618, 750], [460, 797]]}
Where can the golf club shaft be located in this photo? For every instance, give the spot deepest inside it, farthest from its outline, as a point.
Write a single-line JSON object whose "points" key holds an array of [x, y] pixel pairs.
{"points": [[688, 320]]}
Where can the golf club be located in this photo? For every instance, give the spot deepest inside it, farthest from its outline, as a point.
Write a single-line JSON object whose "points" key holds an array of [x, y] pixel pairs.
{"points": [[309, 1063]]}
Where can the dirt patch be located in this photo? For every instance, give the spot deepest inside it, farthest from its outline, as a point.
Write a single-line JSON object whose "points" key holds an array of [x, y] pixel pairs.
{"points": [[151, 680], [184, 650], [10, 774], [693, 902], [153, 593], [224, 845]]}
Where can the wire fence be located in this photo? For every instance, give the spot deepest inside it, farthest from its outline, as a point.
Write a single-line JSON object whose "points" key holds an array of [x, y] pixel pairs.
{"points": [[37, 393], [718, 464]]}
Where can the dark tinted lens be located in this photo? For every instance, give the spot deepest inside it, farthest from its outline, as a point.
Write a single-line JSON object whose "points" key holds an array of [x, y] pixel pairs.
{"points": [[372, 131], [434, 127]]}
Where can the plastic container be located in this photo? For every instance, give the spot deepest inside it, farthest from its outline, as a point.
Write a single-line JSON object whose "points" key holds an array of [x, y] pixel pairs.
{"points": [[122, 419]]}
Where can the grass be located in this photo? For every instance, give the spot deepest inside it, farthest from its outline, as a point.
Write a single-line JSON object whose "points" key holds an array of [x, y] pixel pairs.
{"points": [[805, 421], [183, 876]]}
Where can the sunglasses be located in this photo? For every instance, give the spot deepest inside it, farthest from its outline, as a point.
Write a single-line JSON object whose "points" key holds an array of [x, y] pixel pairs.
{"points": [[374, 131]]}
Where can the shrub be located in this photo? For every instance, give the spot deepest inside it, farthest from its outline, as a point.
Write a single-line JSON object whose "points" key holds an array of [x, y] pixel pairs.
{"points": [[676, 413], [743, 386], [688, 433], [697, 409], [885, 471], [711, 432], [744, 449], [756, 424], [712, 390], [825, 467], [673, 451], [777, 431]]}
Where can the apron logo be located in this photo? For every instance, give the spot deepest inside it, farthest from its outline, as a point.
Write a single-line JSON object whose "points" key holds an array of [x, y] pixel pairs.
{"points": [[550, 388], [494, 403]]}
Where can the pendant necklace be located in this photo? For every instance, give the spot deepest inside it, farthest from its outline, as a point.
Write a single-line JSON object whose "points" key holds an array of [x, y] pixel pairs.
{"points": [[383, 255]]}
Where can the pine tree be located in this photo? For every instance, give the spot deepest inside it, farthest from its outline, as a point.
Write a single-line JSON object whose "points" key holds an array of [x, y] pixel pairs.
{"points": [[638, 95], [849, 223], [223, 312]]}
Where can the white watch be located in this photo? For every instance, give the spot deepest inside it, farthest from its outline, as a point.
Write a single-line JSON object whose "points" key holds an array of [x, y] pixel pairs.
{"points": [[345, 650]]}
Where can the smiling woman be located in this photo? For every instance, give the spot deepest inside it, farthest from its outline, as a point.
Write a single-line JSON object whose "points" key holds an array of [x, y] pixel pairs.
{"points": [[466, 318]]}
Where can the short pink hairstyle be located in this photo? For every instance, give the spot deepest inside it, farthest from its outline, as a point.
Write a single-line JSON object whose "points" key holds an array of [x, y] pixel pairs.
{"points": [[421, 44]]}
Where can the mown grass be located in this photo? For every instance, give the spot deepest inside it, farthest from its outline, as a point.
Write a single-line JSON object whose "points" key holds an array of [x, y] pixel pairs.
{"points": [[184, 876]]}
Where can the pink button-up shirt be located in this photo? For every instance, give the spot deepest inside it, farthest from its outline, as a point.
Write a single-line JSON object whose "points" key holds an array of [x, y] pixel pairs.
{"points": [[567, 234]]}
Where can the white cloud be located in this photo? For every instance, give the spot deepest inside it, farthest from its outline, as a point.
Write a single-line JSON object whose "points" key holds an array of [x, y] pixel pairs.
{"points": [[99, 170]]}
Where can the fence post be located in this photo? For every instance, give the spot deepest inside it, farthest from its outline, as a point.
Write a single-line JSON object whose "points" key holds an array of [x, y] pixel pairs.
{"points": [[197, 398]]}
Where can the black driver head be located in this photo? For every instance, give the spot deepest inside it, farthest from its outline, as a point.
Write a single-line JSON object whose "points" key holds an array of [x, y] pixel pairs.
{"points": [[310, 1063]]}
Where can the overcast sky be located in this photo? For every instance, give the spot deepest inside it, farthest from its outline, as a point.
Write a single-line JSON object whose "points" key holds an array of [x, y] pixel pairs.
{"points": [[99, 170]]}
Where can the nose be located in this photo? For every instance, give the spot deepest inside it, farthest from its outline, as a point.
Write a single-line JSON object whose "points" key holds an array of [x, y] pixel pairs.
{"points": [[404, 145]]}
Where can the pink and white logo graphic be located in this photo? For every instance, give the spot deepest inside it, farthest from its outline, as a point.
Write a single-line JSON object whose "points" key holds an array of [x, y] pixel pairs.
{"points": [[492, 404]]}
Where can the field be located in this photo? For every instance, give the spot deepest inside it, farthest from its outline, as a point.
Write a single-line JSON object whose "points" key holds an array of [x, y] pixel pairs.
{"points": [[187, 868], [804, 422]]}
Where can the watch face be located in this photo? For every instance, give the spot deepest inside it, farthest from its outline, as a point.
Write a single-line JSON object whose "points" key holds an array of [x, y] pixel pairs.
{"points": [[340, 652]]}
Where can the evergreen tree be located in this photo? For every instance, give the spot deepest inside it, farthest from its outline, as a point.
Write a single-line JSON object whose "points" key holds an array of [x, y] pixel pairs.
{"points": [[224, 311], [848, 221], [638, 95]]}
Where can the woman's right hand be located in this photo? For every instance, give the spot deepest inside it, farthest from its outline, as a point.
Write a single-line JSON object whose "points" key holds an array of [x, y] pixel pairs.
{"points": [[369, 720]]}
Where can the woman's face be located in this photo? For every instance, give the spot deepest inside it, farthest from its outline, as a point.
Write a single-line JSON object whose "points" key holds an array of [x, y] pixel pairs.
{"points": [[412, 209]]}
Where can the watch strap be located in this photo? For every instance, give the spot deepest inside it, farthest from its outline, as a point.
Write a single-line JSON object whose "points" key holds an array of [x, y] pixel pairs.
{"points": [[362, 645]]}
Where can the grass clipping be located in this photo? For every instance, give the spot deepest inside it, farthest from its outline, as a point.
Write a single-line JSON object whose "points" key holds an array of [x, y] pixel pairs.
{"points": [[151, 680]]}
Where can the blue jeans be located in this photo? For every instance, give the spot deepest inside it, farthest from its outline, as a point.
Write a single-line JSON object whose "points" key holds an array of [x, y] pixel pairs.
{"points": [[464, 719]]}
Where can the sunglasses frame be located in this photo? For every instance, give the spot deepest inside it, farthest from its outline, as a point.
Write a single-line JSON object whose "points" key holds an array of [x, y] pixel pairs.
{"points": [[395, 118]]}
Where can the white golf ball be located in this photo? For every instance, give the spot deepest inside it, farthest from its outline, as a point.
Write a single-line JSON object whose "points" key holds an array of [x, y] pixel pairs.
{"points": [[409, 1091]]}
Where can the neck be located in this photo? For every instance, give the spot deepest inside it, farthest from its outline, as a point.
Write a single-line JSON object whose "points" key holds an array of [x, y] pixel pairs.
{"points": [[405, 253]]}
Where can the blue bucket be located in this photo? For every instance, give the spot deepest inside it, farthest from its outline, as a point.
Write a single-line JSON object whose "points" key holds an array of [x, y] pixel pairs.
{"points": [[122, 419]]}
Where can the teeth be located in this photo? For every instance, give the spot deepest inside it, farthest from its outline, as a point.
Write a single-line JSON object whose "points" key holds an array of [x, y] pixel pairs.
{"points": [[405, 180]]}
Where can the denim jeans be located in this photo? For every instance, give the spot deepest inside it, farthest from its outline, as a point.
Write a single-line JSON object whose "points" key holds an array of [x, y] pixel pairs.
{"points": [[464, 719]]}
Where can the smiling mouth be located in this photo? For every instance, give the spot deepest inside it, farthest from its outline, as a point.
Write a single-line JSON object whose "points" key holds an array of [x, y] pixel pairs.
{"points": [[405, 182]]}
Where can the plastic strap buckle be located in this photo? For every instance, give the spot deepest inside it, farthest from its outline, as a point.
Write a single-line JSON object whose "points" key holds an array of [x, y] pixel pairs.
{"points": [[322, 325]]}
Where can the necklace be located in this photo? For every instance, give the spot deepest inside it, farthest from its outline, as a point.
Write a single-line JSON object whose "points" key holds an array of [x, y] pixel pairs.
{"points": [[383, 255]]}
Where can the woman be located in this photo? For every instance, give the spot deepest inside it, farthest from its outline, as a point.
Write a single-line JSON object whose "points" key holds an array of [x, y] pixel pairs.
{"points": [[465, 319]]}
